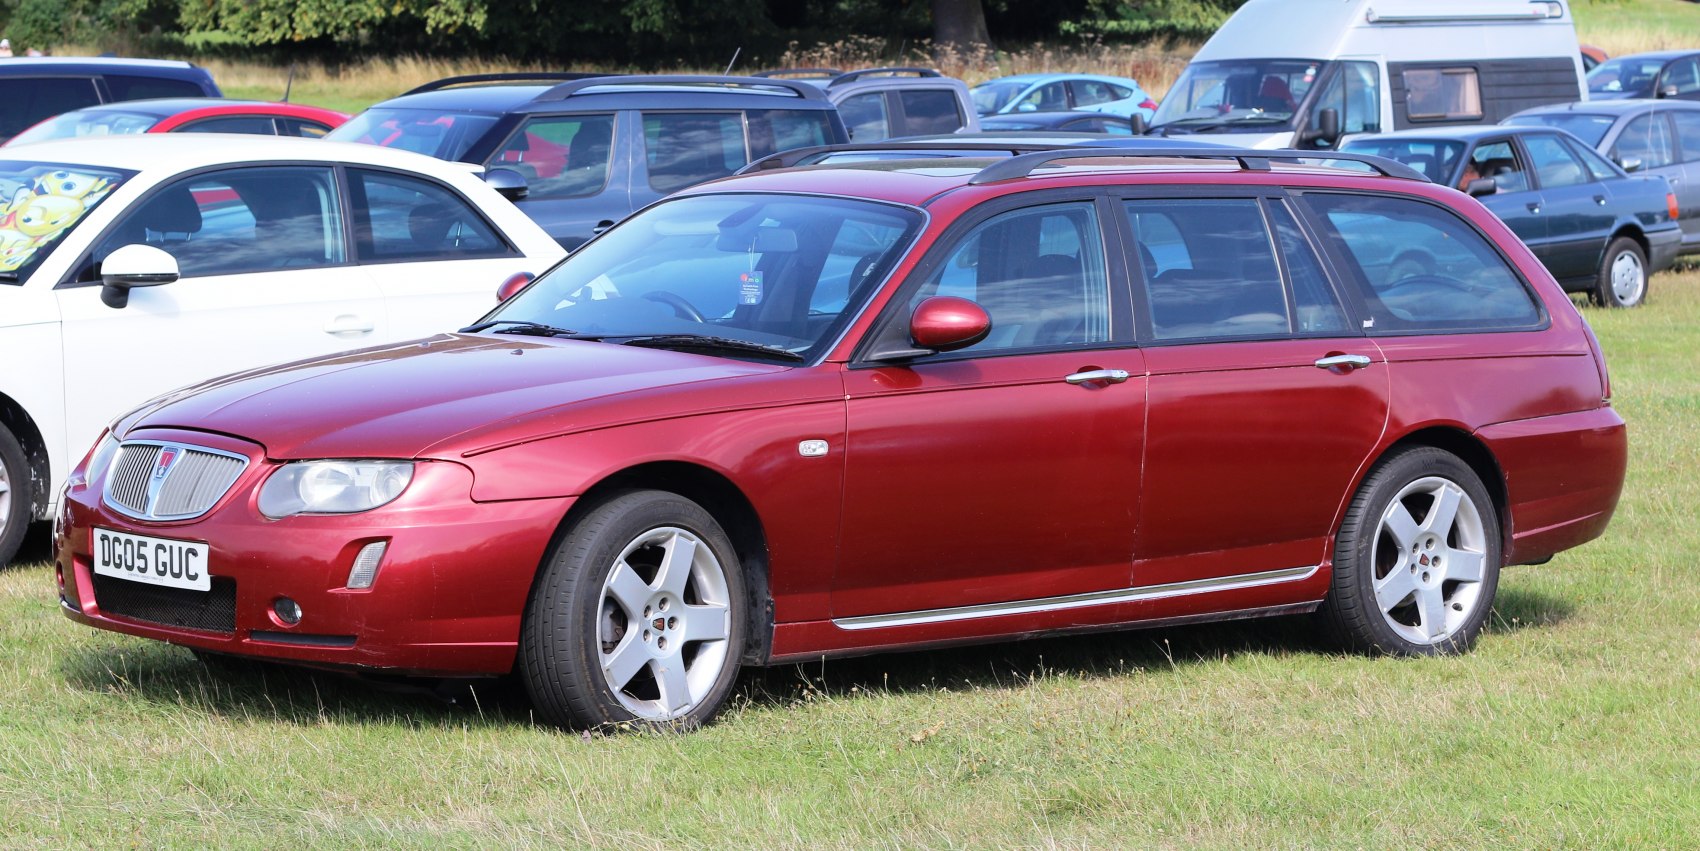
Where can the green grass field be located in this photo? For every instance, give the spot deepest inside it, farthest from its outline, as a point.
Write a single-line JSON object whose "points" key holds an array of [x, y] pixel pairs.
{"points": [[1573, 725]]}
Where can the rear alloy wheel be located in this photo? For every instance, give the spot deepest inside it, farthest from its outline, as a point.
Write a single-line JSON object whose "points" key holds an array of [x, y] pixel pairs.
{"points": [[638, 617], [17, 497], [1416, 563], [1623, 275]]}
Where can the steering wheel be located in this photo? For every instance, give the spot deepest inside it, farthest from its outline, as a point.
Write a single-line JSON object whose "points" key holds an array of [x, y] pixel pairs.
{"points": [[1428, 282], [683, 308]]}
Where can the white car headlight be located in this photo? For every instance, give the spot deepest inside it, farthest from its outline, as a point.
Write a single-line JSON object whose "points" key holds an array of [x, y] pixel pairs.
{"points": [[333, 487]]}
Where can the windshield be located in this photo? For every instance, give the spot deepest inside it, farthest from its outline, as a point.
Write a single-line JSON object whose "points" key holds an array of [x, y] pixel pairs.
{"points": [[1435, 158], [444, 135], [1628, 76], [993, 96], [1237, 94], [1588, 128], [72, 125], [782, 271], [42, 202]]}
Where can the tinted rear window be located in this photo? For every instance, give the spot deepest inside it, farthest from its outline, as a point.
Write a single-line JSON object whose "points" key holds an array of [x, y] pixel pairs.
{"points": [[930, 111], [27, 100]]}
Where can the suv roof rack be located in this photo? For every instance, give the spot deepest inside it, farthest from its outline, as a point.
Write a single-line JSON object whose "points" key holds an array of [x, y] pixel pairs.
{"points": [[787, 159], [1249, 160], [801, 90], [515, 77], [799, 72], [894, 71]]}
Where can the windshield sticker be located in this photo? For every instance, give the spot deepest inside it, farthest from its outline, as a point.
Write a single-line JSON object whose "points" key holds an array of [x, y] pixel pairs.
{"points": [[749, 287], [37, 214]]}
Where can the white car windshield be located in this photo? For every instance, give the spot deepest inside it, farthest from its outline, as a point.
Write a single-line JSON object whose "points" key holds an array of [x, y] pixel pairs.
{"points": [[94, 122], [743, 275], [1244, 92], [42, 202]]}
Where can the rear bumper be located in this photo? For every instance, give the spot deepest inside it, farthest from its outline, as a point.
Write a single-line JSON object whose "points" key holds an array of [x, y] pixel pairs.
{"points": [[1662, 249], [1563, 475]]}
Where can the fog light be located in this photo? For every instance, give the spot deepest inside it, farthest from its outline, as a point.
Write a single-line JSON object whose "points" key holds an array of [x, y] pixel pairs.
{"points": [[365, 570], [288, 611]]}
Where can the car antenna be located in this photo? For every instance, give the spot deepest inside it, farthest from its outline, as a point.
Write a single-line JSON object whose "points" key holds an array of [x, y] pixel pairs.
{"points": [[289, 83], [734, 61]]}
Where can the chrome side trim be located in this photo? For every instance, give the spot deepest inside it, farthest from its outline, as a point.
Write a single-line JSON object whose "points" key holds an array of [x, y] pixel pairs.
{"points": [[1076, 601]]}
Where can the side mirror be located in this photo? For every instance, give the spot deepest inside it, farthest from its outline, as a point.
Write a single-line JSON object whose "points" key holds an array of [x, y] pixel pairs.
{"points": [[1668, 92], [1481, 186], [1138, 121], [134, 266], [508, 183], [513, 285], [1630, 163], [939, 324], [1327, 130]]}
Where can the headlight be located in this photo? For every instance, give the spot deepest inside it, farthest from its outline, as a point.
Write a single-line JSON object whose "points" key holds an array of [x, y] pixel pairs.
{"points": [[333, 487], [101, 457]]}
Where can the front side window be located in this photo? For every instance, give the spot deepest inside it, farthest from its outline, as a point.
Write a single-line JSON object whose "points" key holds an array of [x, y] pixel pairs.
{"points": [[1436, 94], [434, 133], [1210, 269], [25, 101], [397, 217], [929, 111], [40, 203], [865, 117], [1420, 268], [253, 125], [1553, 163], [1498, 160], [1648, 139], [1039, 272], [778, 271], [1354, 93], [560, 156], [687, 148], [239, 221]]}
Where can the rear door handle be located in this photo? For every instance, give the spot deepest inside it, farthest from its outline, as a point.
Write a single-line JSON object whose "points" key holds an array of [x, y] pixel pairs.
{"points": [[349, 325], [602, 226], [1347, 362], [1600, 200], [1108, 376]]}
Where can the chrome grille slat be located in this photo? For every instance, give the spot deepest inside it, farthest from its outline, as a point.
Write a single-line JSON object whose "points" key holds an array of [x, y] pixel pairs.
{"points": [[195, 480]]}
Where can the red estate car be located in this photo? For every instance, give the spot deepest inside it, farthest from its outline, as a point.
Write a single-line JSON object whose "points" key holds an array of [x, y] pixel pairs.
{"points": [[843, 409], [186, 115]]}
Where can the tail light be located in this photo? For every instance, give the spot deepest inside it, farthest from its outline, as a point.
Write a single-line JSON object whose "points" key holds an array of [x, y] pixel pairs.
{"points": [[1148, 104], [1599, 362], [1671, 205]]}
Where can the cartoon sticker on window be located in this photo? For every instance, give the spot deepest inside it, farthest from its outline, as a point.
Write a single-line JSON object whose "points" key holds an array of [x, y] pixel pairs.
{"points": [[40, 204]]}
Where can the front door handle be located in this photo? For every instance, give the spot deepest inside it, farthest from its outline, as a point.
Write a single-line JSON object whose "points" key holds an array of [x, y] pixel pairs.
{"points": [[1534, 208], [349, 325], [1108, 376], [1347, 362], [1600, 200], [602, 226]]}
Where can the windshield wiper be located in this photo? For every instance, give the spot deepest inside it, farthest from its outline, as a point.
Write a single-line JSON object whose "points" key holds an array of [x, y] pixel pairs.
{"points": [[704, 341], [521, 326]]}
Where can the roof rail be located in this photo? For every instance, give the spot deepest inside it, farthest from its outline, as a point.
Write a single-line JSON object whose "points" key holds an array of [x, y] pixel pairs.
{"points": [[858, 74], [796, 156], [1250, 160], [799, 72], [517, 77], [801, 90]]}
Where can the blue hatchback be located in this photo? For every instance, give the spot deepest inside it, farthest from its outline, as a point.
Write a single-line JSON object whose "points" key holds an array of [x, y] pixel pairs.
{"points": [[1062, 92]]}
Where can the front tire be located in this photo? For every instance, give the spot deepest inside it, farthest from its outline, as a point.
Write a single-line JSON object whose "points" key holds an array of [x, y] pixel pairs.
{"points": [[1622, 279], [638, 616], [17, 496], [1416, 562]]}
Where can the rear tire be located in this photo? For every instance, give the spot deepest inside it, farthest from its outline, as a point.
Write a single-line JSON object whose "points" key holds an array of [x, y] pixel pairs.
{"points": [[1416, 562], [638, 617], [17, 496], [1622, 279]]}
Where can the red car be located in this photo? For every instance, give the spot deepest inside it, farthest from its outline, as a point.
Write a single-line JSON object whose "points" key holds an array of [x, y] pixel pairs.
{"points": [[844, 409], [186, 115]]}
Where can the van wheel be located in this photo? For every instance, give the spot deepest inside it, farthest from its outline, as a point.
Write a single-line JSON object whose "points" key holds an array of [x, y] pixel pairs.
{"points": [[1416, 562], [638, 617], [17, 496], [1622, 279]]}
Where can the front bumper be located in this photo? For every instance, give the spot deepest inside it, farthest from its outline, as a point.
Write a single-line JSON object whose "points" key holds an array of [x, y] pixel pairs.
{"points": [[447, 601]]}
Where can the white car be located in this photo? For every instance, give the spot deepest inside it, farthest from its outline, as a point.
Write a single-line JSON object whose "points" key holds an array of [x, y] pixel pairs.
{"points": [[131, 266]]}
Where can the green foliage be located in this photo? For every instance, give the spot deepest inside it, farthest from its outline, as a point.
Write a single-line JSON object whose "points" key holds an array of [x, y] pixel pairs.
{"points": [[1144, 19]]}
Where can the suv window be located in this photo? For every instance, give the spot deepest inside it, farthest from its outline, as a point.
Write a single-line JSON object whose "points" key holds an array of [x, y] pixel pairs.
{"points": [[1442, 93], [1553, 164], [1420, 267], [687, 148], [929, 111], [125, 87], [865, 117], [238, 221], [254, 125], [1210, 268], [1498, 160], [1648, 139], [404, 218], [561, 156], [1038, 271], [25, 101]]}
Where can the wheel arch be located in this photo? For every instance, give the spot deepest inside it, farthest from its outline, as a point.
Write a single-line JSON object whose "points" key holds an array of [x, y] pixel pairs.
{"points": [[1475, 454], [23, 427], [1633, 231]]}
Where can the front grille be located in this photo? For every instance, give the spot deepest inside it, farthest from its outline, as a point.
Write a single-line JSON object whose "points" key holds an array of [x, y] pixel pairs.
{"points": [[207, 611], [152, 480]]}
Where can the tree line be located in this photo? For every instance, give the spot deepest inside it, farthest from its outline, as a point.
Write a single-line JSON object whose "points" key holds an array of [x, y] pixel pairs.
{"points": [[627, 31]]}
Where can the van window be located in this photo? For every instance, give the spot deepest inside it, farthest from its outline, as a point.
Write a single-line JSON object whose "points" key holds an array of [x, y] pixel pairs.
{"points": [[929, 111], [1355, 93], [687, 148], [24, 101], [1442, 94], [1217, 276], [1419, 267], [560, 156]]}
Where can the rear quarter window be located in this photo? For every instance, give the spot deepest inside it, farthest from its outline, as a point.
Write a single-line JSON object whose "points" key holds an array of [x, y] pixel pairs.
{"points": [[24, 101], [1421, 268]]}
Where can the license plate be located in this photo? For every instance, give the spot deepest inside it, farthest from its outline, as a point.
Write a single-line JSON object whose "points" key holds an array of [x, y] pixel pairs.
{"points": [[156, 561]]}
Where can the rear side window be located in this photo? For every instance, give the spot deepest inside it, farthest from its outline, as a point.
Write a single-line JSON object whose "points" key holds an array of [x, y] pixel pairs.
{"points": [[1442, 94], [564, 156], [684, 149], [404, 218], [1648, 139], [1421, 268], [1090, 92], [930, 111], [1554, 164], [1597, 166], [253, 125], [865, 117], [24, 101], [1688, 133]]}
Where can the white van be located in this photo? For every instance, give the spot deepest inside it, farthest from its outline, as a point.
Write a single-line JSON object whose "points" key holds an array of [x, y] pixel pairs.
{"points": [[1305, 73]]}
